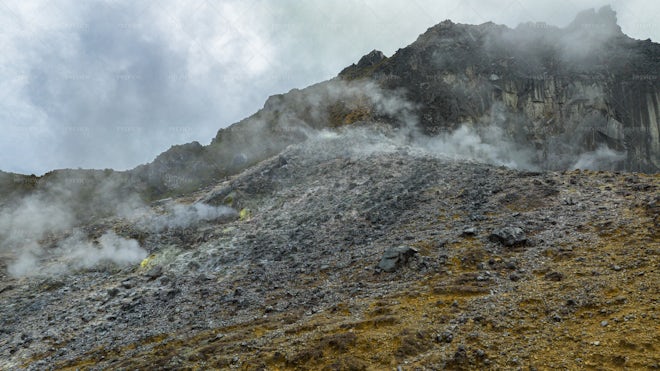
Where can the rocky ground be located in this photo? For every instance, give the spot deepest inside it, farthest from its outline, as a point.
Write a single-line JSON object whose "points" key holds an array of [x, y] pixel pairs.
{"points": [[352, 254]]}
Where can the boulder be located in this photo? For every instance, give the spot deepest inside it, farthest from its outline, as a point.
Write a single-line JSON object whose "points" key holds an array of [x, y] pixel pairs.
{"points": [[396, 257], [509, 236]]}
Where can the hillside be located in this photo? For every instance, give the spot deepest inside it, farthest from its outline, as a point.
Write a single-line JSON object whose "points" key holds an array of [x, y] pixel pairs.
{"points": [[298, 283], [485, 198]]}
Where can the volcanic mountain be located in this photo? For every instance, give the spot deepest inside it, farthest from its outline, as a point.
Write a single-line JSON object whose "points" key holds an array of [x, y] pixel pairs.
{"points": [[486, 197]]}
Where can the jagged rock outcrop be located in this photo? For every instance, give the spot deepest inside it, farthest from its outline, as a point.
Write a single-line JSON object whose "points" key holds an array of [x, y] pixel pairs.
{"points": [[365, 64], [563, 91]]}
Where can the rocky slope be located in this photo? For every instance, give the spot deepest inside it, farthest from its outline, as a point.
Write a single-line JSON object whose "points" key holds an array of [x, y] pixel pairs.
{"points": [[496, 268]]}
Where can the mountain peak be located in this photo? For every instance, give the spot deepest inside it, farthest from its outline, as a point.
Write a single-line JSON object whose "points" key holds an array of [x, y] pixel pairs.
{"points": [[374, 57], [602, 21], [368, 62]]}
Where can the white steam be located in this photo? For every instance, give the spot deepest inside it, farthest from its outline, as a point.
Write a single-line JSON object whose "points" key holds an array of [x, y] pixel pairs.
{"points": [[27, 262], [44, 242], [487, 145], [467, 143], [33, 219], [110, 248], [182, 216], [601, 159], [77, 252]]}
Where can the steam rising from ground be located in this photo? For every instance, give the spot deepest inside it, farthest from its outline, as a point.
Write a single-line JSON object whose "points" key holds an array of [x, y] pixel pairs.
{"points": [[601, 159], [32, 219], [77, 252], [45, 242], [486, 145], [494, 139], [182, 216]]}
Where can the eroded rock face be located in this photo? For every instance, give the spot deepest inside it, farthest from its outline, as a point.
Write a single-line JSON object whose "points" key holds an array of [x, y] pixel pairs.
{"points": [[583, 96], [562, 91]]}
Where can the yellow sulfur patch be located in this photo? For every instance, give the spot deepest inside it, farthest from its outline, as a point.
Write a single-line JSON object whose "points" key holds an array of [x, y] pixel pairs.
{"points": [[245, 214], [147, 260]]}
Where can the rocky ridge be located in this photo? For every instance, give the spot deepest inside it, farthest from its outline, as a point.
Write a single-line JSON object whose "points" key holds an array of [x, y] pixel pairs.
{"points": [[560, 91]]}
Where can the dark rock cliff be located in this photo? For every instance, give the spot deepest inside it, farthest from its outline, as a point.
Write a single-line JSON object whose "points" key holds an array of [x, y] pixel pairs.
{"points": [[564, 91]]}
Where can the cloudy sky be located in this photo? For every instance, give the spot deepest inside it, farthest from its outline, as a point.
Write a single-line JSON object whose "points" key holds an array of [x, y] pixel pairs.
{"points": [[111, 84]]}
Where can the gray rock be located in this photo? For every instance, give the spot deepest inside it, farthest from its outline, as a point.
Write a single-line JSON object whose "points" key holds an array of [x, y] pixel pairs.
{"points": [[113, 292], [394, 258], [127, 284], [445, 337], [154, 272], [509, 236], [554, 276]]}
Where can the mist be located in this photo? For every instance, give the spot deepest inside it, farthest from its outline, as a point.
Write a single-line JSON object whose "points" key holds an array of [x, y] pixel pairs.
{"points": [[603, 158], [175, 215], [392, 123], [45, 236], [76, 253]]}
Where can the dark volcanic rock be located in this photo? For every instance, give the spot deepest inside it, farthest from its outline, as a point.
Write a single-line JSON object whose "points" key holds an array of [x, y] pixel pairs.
{"points": [[565, 91], [509, 236], [554, 276], [320, 224], [395, 257]]}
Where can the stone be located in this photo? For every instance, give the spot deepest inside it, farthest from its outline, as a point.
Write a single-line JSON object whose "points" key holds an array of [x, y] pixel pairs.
{"points": [[445, 337], [396, 257], [374, 57], [154, 272], [113, 292], [554, 276], [509, 236]]}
